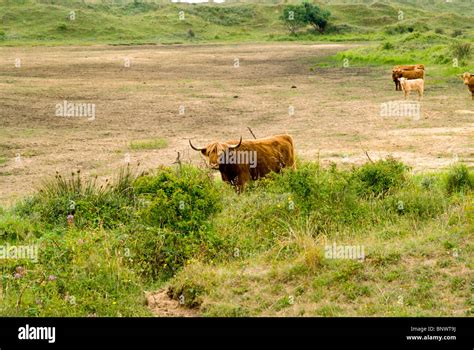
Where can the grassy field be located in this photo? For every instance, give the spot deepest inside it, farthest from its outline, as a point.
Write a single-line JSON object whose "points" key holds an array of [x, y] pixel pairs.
{"points": [[377, 220], [264, 252]]}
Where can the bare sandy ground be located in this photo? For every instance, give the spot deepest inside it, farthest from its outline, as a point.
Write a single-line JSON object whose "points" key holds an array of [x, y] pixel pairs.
{"points": [[162, 305], [211, 92]]}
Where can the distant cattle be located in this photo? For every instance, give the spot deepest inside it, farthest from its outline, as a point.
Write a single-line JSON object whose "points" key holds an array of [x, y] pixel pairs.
{"points": [[468, 79], [242, 161], [412, 67], [416, 71], [412, 85]]}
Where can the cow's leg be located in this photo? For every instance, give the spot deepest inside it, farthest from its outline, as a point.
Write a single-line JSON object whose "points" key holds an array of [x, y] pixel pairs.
{"points": [[242, 180], [239, 185], [225, 178]]}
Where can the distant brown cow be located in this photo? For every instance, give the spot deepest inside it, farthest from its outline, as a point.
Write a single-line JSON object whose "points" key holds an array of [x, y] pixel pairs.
{"points": [[242, 161], [408, 74], [399, 72], [468, 79], [415, 66]]}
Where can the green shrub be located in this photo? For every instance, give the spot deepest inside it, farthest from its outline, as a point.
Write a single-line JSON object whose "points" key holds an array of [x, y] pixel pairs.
{"points": [[298, 16], [16, 228], [387, 46], [181, 201], [173, 220], [160, 252], [396, 29], [339, 28], [62, 27], [187, 292], [377, 179], [294, 17], [327, 194], [459, 179], [416, 202], [316, 16]]}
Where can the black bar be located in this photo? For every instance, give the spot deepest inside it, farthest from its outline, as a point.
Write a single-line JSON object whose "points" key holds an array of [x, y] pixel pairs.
{"points": [[366, 332]]}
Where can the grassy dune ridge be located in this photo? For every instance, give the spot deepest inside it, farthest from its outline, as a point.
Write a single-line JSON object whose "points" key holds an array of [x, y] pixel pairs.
{"points": [[127, 22], [260, 253]]}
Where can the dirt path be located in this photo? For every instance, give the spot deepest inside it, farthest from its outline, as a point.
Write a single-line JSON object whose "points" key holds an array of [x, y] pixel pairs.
{"points": [[161, 305], [210, 92]]}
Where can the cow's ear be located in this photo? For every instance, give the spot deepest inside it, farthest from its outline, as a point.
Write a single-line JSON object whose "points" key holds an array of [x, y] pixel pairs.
{"points": [[203, 151]]}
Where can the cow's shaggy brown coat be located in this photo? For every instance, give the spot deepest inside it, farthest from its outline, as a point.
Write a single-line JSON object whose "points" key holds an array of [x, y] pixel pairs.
{"points": [[271, 155]]}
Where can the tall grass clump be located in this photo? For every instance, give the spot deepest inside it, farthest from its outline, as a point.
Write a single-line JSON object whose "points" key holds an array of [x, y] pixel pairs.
{"points": [[459, 179], [461, 50], [92, 204]]}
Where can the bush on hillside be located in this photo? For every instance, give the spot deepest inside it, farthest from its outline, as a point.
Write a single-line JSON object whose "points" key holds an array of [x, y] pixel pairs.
{"points": [[294, 17], [299, 16], [327, 194], [161, 252], [459, 179], [316, 16], [173, 220], [377, 179], [180, 201]]}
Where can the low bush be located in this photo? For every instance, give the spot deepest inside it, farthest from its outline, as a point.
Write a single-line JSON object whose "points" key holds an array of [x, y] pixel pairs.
{"points": [[377, 179], [459, 179], [158, 253], [181, 201]]}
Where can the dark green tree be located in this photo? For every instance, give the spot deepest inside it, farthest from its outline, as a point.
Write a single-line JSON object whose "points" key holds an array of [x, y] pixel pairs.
{"points": [[298, 16], [294, 17], [316, 16]]}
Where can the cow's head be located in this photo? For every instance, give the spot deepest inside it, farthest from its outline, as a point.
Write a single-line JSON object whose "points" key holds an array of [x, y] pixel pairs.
{"points": [[465, 77], [396, 73], [213, 151]]}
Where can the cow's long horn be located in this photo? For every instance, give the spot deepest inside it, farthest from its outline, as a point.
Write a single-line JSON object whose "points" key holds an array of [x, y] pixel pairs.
{"points": [[236, 146], [195, 148]]}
